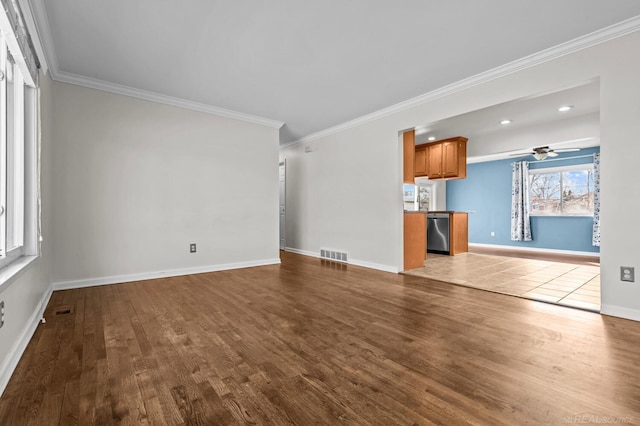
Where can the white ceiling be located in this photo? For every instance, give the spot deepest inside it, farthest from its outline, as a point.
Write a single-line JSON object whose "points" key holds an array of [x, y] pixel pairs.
{"points": [[539, 110], [309, 64]]}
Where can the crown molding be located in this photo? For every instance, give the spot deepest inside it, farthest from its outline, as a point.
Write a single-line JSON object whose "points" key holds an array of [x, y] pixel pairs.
{"points": [[40, 32], [597, 37], [45, 47], [119, 89]]}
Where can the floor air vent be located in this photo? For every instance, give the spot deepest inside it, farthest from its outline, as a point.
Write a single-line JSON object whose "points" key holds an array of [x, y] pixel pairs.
{"points": [[63, 310], [338, 256]]}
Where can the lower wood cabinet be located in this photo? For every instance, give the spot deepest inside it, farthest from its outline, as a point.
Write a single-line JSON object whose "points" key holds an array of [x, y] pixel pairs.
{"points": [[458, 233], [447, 232], [415, 239]]}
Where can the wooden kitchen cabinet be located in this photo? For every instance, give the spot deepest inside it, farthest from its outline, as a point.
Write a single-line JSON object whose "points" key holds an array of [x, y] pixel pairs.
{"points": [[434, 161], [408, 149], [415, 239], [451, 156], [420, 162], [447, 159], [458, 233]]}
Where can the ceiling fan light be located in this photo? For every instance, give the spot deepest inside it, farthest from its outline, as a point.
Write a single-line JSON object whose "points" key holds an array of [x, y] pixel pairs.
{"points": [[539, 155]]}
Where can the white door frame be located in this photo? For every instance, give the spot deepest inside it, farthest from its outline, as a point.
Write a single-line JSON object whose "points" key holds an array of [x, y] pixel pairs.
{"points": [[282, 182]]}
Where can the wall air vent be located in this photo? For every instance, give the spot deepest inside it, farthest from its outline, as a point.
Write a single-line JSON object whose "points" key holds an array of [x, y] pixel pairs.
{"points": [[335, 255]]}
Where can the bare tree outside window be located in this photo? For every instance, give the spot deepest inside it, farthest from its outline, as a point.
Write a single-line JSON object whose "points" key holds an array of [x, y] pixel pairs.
{"points": [[545, 193], [565, 192]]}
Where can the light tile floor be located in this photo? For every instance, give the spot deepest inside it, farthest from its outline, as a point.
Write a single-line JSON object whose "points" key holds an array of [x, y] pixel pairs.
{"points": [[566, 284]]}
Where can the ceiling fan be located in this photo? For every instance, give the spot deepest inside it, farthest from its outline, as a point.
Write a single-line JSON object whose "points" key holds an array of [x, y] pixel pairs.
{"points": [[542, 152]]}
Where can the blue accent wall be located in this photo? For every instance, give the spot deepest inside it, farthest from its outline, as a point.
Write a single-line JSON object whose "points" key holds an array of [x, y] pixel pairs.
{"points": [[487, 191]]}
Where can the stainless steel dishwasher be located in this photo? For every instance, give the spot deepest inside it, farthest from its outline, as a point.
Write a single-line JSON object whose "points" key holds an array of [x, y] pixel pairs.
{"points": [[438, 233]]}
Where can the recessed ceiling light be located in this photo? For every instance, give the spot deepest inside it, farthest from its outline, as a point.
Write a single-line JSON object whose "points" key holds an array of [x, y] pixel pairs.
{"points": [[505, 122], [565, 108], [421, 130], [432, 138]]}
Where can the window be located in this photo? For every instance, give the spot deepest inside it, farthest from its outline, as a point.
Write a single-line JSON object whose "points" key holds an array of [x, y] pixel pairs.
{"points": [[19, 146], [562, 191], [12, 156], [426, 196]]}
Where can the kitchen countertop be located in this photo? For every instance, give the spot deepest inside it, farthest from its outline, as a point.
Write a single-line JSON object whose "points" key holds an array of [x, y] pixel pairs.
{"points": [[444, 211], [415, 212]]}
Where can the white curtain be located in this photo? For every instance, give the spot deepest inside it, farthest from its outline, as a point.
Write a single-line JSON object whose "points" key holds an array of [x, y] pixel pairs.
{"points": [[520, 223], [596, 200]]}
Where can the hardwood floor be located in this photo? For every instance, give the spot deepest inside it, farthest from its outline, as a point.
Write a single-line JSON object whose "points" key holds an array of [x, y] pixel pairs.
{"points": [[311, 342], [537, 255]]}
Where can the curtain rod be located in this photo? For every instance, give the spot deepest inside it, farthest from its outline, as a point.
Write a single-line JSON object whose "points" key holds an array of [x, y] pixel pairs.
{"points": [[556, 159], [560, 159]]}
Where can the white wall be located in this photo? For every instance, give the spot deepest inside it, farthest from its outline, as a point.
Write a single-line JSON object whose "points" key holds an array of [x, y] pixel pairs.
{"points": [[25, 296], [344, 195], [322, 210], [136, 182]]}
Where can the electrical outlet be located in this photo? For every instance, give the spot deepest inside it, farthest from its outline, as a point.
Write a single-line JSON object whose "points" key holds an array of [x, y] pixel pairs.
{"points": [[627, 273], [1, 314], [493, 234], [192, 248]]}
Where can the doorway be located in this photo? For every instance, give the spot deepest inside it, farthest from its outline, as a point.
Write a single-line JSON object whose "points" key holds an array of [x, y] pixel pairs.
{"points": [[555, 142]]}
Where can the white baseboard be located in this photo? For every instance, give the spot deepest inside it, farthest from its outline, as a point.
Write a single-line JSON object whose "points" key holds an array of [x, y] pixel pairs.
{"points": [[118, 279], [538, 249], [302, 252], [378, 266], [9, 366], [620, 312], [355, 262]]}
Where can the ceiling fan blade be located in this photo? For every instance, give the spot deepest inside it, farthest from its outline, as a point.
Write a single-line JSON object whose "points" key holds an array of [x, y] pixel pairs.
{"points": [[540, 149], [521, 154], [552, 154], [566, 150]]}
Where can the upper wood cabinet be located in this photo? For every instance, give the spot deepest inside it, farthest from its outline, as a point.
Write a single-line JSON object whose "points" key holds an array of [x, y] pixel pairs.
{"points": [[420, 160], [434, 161], [445, 159], [408, 149], [451, 156]]}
